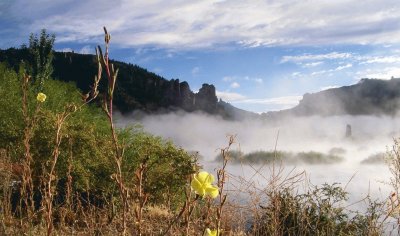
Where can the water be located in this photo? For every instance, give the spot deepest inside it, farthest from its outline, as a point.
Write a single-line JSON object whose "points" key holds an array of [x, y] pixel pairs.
{"points": [[370, 135]]}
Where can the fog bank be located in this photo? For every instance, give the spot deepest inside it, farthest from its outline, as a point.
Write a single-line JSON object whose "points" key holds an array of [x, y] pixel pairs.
{"points": [[206, 134]]}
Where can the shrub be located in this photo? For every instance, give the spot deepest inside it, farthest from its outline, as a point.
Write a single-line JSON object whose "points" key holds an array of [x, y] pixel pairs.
{"points": [[317, 212], [86, 143], [167, 166]]}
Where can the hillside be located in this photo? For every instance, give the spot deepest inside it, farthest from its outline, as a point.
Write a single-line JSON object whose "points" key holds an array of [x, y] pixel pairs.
{"points": [[368, 97], [137, 88]]}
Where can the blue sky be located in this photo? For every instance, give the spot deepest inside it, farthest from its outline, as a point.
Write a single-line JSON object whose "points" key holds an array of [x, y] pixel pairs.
{"points": [[260, 55]]}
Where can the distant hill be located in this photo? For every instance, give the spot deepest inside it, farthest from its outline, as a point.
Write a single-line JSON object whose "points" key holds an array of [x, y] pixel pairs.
{"points": [[136, 88], [139, 89], [368, 97]]}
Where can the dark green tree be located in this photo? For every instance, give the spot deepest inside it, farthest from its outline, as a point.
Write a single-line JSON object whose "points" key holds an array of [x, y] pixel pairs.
{"points": [[41, 50]]}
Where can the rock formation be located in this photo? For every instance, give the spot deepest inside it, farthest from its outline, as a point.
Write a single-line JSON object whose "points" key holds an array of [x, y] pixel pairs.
{"points": [[348, 131]]}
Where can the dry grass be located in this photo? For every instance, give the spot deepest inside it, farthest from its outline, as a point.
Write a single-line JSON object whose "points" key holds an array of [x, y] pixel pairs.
{"points": [[276, 208]]}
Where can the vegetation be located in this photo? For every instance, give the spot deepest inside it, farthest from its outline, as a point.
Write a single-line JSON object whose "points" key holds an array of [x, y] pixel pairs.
{"points": [[320, 211], [67, 170], [67, 133], [41, 51], [378, 158], [270, 157]]}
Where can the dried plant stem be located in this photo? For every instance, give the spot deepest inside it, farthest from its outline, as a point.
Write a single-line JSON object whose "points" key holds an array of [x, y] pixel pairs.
{"points": [[207, 221], [108, 108], [189, 210], [176, 218], [142, 197], [69, 178], [27, 187], [49, 192], [187, 207], [221, 177]]}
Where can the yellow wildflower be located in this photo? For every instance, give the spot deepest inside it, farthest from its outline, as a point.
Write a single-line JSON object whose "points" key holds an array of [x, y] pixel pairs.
{"points": [[212, 232], [201, 184], [41, 97]]}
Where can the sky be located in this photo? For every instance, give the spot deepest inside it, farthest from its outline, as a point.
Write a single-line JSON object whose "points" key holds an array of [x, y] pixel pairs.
{"points": [[260, 55]]}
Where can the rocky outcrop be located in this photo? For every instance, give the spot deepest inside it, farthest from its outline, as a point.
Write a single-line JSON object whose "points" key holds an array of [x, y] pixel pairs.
{"points": [[348, 131], [206, 99]]}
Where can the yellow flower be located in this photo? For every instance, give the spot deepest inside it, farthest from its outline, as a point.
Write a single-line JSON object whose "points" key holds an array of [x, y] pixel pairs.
{"points": [[41, 97], [201, 184], [212, 232]]}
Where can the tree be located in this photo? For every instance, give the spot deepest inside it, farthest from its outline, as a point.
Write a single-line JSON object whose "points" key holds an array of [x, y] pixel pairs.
{"points": [[41, 50]]}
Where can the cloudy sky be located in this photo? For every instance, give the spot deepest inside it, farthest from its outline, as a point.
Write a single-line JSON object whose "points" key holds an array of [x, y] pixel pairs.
{"points": [[260, 55]]}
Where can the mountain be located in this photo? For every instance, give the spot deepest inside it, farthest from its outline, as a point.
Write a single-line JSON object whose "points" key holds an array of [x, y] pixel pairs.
{"points": [[238, 114], [139, 89], [136, 88], [368, 97]]}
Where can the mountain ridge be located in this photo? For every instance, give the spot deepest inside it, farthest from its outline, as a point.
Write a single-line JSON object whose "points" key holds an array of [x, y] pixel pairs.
{"points": [[139, 89], [136, 87], [367, 97]]}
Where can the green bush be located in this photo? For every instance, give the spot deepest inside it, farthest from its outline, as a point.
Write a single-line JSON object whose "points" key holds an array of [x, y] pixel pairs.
{"points": [[11, 122], [167, 167], [320, 211], [86, 143]]}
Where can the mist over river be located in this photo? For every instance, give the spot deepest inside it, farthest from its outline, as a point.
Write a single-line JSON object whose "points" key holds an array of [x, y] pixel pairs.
{"points": [[205, 134]]}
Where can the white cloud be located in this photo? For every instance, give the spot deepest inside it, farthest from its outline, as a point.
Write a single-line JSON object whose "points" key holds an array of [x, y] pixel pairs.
{"points": [[295, 74], [195, 70], [228, 78], [281, 101], [229, 97], [157, 70], [65, 50], [87, 50], [329, 87], [192, 24], [343, 67], [381, 59], [383, 73], [319, 72], [313, 64], [339, 68], [314, 57], [84, 50], [235, 85], [237, 78], [277, 102], [258, 80]]}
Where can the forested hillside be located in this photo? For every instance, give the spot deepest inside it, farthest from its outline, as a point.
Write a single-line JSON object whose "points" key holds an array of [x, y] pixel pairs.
{"points": [[136, 89]]}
